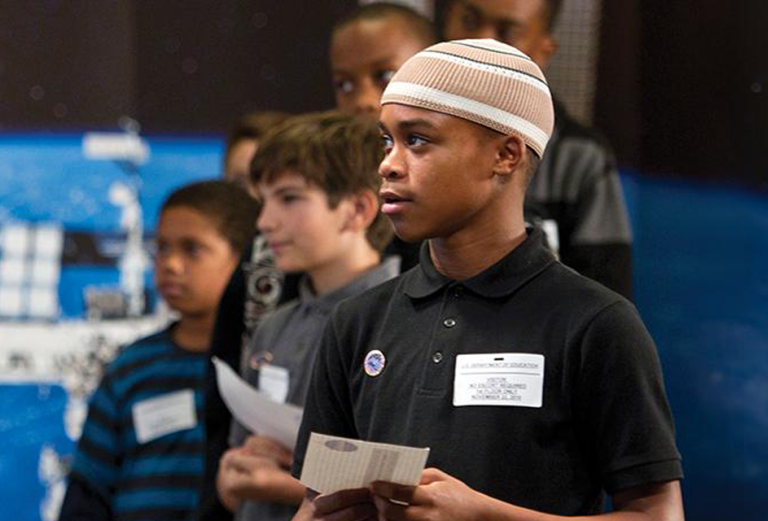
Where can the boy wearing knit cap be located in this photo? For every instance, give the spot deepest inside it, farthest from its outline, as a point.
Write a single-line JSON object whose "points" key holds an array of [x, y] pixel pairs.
{"points": [[537, 390]]}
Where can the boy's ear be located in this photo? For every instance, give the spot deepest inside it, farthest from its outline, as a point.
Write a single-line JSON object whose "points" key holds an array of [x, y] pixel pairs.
{"points": [[509, 156], [546, 48], [364, 206]]}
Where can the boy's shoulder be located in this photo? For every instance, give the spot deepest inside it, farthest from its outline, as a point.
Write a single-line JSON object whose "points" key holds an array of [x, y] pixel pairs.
{"points": [[374, 300], [558, 288], [142, 351], [274, 320]]}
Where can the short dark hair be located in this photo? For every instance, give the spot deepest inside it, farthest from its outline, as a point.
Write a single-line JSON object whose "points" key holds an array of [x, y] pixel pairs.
{"points": [[339, 153], [533, 165], [229, 207], [420, 26], [252, 126]]}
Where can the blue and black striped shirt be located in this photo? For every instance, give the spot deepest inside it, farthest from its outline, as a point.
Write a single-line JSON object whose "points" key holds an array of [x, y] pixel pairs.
{"points": [[150, 470]]}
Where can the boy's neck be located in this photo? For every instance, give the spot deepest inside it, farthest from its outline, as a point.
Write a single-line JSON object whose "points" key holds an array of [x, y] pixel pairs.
{"points": [[193, 333], [465, 255], [343, 270]]}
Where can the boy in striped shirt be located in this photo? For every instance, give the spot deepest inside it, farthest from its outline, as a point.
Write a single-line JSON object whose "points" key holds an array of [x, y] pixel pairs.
{"points": [[141, 453]]}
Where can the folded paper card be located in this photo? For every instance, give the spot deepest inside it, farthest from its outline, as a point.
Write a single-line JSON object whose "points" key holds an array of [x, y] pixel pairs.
{"points": [[332, 463]]}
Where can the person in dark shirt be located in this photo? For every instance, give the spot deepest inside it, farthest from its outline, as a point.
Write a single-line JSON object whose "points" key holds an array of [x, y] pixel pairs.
{"points": [[367, 47], [537, 390], [576, 192]]}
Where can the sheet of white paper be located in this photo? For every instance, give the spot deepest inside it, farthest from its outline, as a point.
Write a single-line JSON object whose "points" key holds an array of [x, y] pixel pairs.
{"points": [[255, 410], [332, 463]]}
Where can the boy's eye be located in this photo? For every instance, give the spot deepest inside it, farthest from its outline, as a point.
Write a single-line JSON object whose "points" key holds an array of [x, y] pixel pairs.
{"points": [[289, 197], [470, 20], [192, 249], [387, 142], [414, 140], [506, 32], [344, 86], [383, 77]]}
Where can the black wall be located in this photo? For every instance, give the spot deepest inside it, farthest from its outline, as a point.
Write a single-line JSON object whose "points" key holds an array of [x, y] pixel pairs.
{"points": [[173, 65], [683, 86]]}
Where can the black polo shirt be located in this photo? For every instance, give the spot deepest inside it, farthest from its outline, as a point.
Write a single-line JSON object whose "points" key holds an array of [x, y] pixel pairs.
{"points": [[604, 422]]}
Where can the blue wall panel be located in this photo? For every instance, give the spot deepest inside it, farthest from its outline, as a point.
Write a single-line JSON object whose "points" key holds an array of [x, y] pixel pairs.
{"points": [[701, 255]]}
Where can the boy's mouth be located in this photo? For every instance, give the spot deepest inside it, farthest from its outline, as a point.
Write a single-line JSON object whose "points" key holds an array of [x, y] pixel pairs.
{"points": [[171, 289], [392, 202], [277, 246]]}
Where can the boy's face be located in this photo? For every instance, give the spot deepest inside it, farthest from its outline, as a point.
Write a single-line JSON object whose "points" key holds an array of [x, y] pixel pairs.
{"points": [[520, 23], [193, 262], [364, 56], [438, 172], [305, 234]]}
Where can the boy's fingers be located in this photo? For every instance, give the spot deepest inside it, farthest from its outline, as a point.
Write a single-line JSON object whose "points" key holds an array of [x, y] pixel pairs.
{"points": [[390, 511], [393, 491], [431, 475], [343, 499], [263, 446]]}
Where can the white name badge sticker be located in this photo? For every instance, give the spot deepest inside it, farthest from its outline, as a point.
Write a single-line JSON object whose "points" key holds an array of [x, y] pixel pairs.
{"points": [[163, 415], [274, 381], [506, 379]]}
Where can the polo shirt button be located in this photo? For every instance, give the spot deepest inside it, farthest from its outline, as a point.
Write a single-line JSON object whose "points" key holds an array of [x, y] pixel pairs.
{"points": [[449, 322], [458, 292], [437, 357]]}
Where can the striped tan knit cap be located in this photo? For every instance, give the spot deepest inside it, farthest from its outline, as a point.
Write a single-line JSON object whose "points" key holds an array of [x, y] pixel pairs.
{"points": [[483, 81]]}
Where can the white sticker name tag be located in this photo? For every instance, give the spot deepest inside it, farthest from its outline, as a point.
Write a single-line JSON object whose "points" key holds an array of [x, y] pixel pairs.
{"points": [[163, 415], [507, 379], [274, 381]]}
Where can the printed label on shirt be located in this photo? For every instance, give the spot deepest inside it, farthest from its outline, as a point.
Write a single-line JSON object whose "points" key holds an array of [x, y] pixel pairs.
{"points": [[506, 379], [274, 381], [163, 415]]}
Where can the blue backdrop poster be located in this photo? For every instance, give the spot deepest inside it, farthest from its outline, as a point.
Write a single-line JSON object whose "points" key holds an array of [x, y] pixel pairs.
{"points": [[75, 245]]}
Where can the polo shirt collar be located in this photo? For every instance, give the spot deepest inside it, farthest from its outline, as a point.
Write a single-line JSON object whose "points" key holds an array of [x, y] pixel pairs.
{"points": [[389, 268], [519, 266]]}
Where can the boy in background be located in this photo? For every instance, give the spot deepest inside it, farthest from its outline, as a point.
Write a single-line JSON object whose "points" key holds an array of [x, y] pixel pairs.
{"points": [[243, 140], [142, 448], [367, 48], [577, 187], [316, 177]]}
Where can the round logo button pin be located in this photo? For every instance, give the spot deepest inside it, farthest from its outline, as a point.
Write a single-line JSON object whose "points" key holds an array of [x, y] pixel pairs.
{"points": [[374, 363]]}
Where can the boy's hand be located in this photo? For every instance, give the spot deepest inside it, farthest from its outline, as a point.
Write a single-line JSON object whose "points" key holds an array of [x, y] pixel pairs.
{"points": [[244, 476], [344, 505], [227, 479], [437, 497], [270, 449]]}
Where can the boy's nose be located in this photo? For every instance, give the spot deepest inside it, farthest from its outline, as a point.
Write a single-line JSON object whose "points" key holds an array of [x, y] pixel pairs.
{"points": [[391, 166], [170, 263], [266, 221], [368, 100]]}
